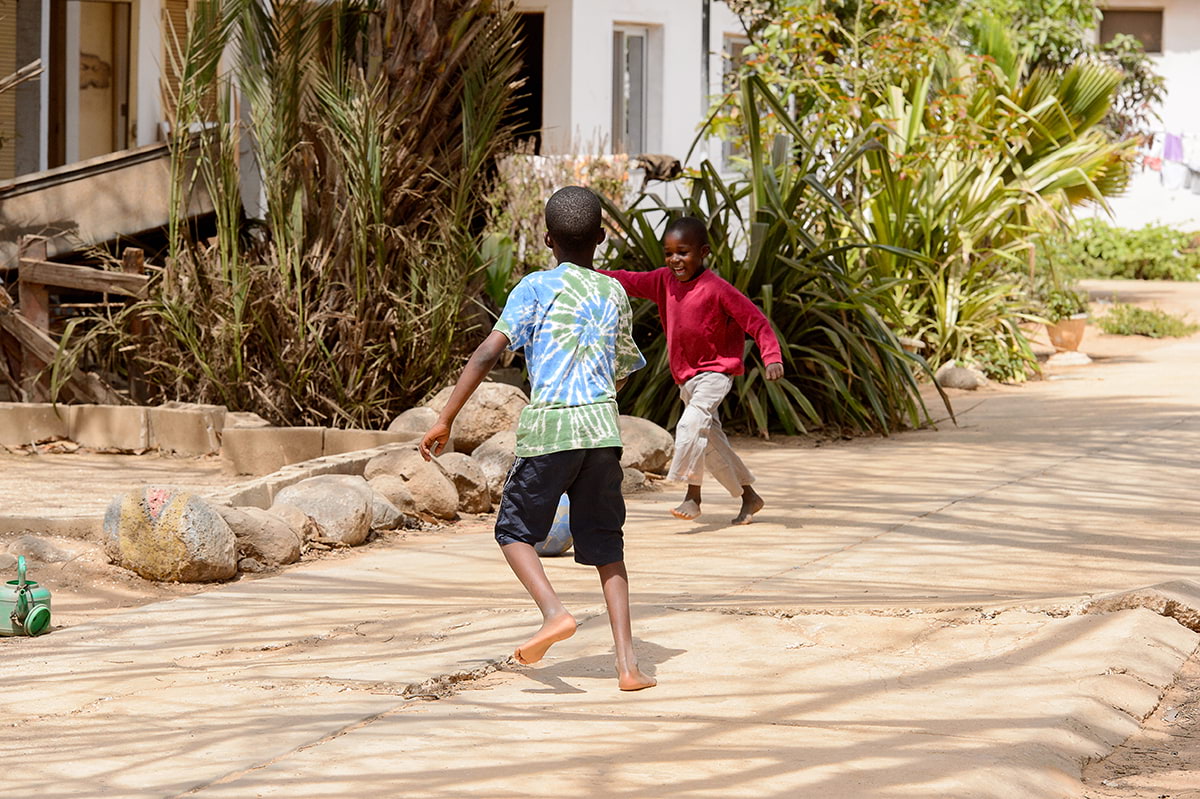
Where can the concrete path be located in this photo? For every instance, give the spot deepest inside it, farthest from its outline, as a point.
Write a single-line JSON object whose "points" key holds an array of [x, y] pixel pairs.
{"points": [[902, 621]]}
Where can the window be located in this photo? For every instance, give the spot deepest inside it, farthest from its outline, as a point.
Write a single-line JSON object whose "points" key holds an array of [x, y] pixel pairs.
{"points": [[89, 94], [732, 63], [1144, 25], [630, 59]]}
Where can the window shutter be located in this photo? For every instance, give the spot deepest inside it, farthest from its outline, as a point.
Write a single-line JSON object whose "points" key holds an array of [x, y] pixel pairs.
{"points": [[174, 39]]}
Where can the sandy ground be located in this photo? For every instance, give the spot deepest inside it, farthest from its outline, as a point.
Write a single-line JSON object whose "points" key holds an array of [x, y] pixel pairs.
{"points": [[902, 620]]}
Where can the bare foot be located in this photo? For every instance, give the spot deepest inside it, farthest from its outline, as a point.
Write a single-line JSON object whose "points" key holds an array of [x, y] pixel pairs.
{"points": [[688, 509], [752, 503], [634, 680], [552, 631]]}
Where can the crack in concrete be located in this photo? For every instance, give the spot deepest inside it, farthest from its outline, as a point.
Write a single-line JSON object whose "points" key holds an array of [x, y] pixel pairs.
{"points": [[434, 688]]}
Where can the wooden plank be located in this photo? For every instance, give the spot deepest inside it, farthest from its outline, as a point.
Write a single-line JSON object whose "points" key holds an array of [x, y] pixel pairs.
{"points": [[34, 300], [37, 346], [133, 261], [39, 350], [84, 278]]}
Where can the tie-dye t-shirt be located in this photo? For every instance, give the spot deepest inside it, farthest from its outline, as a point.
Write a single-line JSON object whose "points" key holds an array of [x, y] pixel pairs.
{"points": [[574, 326]]}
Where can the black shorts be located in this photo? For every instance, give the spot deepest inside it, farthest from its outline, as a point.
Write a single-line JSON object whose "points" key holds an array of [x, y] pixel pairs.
{"points": [[592, 480]]}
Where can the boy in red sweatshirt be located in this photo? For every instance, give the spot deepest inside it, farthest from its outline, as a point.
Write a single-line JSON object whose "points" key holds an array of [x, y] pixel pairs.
{"points": [[706, 320]]}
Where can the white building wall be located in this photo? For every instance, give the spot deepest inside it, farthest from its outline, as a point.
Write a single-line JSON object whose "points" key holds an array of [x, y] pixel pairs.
{"points": [[146, 68], [578, 88], [1148, 200]]}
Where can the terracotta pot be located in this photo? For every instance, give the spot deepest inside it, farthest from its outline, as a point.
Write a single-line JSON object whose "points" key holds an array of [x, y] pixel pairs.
{"points": [[1066, 334]]}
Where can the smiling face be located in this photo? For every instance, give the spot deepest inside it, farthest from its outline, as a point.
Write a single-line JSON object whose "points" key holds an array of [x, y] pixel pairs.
{"points": [[684, 256]]}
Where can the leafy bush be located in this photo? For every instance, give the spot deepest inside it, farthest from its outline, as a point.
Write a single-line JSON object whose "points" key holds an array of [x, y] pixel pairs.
{"points": [[1095, 249], [1060, 304], [1124, 319], [517, 203], [780, 238]]}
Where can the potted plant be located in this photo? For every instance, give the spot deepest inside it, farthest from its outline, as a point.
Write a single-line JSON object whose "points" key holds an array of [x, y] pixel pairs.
{"points": [[1066, 316]]}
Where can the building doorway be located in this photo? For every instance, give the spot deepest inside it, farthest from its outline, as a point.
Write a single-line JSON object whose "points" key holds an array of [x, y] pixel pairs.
{"points": [[90, 42], [527, 106]]}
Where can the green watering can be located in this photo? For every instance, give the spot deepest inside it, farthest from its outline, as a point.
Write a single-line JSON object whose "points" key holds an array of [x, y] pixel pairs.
{"points": [[24, 606]]}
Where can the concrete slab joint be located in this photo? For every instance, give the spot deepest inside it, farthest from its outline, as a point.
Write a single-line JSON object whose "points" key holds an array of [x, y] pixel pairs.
{"points": [[187, 431]]}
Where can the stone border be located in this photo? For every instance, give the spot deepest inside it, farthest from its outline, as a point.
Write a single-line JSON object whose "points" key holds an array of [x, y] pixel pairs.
{"points": [[258, 492], [191, 431]]}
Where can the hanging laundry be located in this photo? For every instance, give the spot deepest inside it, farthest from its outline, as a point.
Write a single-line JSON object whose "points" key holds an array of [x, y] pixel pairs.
{"points": [[1174, 175], [1173, 148]]}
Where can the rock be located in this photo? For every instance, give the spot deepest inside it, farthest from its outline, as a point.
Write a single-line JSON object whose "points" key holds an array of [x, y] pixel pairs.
{"points": [[495, 457], [493, 408], [236, 420], [39, 549], [633, 481], [262, 536], [963, 377], [474, 496], [340, 504], [384, 515], [167, 534], [414, 420], [8, 563], [645, 446], [395, 491], [431, 490], [300, 522], [250, 565]]}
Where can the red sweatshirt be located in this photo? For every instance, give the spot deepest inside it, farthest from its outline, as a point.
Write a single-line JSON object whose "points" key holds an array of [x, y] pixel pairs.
{"points": [[706, 320]]}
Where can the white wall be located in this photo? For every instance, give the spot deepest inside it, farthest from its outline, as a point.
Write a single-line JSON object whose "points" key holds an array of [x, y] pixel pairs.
{"points": [[577, 100], [146, 67], [1148, 200]]}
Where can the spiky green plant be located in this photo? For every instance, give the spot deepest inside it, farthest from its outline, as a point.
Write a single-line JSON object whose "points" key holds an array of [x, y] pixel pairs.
{"points": [[780, 237]]}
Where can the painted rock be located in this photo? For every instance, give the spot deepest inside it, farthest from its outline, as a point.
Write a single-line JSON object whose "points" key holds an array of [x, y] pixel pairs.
{"points": [[559, 540], [163, 533]]}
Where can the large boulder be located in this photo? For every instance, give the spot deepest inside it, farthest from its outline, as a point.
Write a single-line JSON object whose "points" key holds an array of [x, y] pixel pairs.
{"points": [[395, 490], [298, 521], [474, 496], [167, 534], [262, 536], [494, 407], [414, 420], [384, 515], [431, 490], [633, 481], [645, 446], [340, 504], [495, 457], [962, 377]]}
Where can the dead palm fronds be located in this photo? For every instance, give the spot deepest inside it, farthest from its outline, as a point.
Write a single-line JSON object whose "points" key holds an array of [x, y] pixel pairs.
{"points": [[338, 282]]}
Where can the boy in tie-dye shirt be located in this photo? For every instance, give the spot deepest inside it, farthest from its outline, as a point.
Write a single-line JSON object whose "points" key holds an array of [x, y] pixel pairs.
{"points": [[574, 325]]}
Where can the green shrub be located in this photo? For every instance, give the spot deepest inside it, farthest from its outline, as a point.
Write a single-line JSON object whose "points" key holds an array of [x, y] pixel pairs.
{"points": [[1060, 304], [1129, 320], [1096, 249]]}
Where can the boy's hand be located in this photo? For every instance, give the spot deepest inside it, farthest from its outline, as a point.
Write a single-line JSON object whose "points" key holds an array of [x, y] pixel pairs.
{"points": [[774, 371], [435, 440]]}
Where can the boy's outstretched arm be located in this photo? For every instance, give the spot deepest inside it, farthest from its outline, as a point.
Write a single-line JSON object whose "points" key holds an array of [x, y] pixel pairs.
{"points": [[477, 368], [752, 320]]}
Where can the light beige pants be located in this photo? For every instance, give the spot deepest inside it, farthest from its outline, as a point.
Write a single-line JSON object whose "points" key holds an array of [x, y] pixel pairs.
{"points": [[699, 439]]}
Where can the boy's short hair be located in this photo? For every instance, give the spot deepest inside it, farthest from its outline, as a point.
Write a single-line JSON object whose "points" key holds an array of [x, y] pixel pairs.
{"points": [[573, 217], [690, 228]]}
